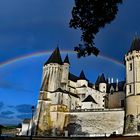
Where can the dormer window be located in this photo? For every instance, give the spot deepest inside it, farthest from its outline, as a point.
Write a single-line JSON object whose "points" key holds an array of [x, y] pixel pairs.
{"points": [[130, 67]]}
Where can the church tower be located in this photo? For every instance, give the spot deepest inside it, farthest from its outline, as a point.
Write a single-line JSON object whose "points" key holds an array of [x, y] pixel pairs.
{"points": [[132, 62]]}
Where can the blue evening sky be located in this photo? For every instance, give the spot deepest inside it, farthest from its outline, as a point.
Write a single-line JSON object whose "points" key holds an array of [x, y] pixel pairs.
{"points": [[30, 27]]}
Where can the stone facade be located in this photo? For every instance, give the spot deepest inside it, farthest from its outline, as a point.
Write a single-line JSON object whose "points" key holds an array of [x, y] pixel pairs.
{"points": [[132, 59], [70, 104], [63, 93], [96, 123]]}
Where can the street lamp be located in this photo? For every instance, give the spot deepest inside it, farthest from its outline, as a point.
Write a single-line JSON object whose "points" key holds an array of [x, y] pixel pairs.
{"points": [[33, 109]]}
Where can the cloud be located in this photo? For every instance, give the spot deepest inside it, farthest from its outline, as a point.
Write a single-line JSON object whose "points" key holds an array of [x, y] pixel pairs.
{"points": [[23, 116], [24, 108], [6, 114], [1, 104], [10, 106], [8, 85]]}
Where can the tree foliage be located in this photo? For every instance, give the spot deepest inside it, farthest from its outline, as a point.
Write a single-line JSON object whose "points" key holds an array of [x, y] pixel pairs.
{"points": [[90, 16]]}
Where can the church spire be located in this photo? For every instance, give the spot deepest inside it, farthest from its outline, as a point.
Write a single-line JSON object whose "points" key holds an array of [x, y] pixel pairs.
{"points": [[66, 60], [55, 57]]}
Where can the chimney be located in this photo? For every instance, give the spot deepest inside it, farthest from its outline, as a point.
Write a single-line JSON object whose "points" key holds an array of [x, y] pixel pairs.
{"points": [[117, 88], [111, 80]]}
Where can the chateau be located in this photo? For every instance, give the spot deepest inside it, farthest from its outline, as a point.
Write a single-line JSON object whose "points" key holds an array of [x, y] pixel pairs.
{"points": [[70, 105]]}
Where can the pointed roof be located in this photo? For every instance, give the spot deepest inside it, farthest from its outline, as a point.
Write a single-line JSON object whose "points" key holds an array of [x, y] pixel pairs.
{"points": [[55, 57], [82, 76], [66, 60], [89, 98], [100, 79], [135, 44], [121, 86], [73, 77], [97, 81]]}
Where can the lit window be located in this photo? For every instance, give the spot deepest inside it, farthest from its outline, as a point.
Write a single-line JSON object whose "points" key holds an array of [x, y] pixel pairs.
{"points": [[130, 67]]}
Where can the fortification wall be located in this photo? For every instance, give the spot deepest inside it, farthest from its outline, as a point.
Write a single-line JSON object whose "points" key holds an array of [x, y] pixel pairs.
{"points": [[99, 122]]}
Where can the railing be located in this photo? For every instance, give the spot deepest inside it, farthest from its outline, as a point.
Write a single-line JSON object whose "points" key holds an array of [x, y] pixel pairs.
{"points": [[96, 110]]}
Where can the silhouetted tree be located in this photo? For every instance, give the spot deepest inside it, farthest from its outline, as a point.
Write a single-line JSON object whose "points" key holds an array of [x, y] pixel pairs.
{"points": [[90, 16], [1, 127]]}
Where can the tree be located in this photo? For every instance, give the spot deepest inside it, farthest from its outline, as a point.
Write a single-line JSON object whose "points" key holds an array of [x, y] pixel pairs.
{"points": [[90, 16], [1, 127]]}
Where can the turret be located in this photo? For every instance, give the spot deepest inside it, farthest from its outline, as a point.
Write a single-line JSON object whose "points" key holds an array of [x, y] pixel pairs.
{"points": [[65, 71], [132, 62], [102, 84], [82, 81], [53, 70]]}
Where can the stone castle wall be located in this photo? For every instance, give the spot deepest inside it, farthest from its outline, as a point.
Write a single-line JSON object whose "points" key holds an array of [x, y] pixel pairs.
{"points": [[98, 122]]}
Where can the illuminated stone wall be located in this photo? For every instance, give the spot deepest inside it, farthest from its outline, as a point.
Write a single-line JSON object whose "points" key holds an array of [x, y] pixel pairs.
{"points": [[101, 122]]}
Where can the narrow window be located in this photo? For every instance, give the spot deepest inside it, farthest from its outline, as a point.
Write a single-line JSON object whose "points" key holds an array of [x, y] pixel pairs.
{"points": [[138, 127], [130, 89], [122, 103], [130, 67]]}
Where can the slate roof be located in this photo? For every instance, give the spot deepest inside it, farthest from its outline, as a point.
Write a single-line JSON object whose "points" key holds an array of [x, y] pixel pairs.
{"points": [[100, 79], [66, 92], [55, 57], [121, 85], [135, 45], [66, 60], [89, 98], [26, 120], [82, 76], [73, 77], [90, 85]]}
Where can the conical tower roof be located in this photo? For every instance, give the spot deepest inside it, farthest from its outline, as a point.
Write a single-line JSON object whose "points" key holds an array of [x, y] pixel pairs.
{"points": [[55, 57], [135, 44], [66, 60], [82, 76], [100, 79]]}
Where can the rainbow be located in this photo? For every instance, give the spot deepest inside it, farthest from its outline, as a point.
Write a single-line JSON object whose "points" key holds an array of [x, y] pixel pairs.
{"points": [[38, 54]]}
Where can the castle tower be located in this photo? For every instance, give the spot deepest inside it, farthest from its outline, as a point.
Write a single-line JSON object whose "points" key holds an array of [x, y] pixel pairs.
{"points": [[51, 81], [53, 70], [102, 83], [82, 81], [132, 61], [65, 73]]}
